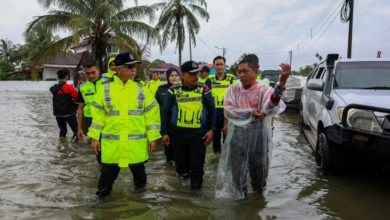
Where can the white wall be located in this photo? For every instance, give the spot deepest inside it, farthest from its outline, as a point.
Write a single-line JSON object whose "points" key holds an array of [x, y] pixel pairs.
{"points": [[51, 73]]}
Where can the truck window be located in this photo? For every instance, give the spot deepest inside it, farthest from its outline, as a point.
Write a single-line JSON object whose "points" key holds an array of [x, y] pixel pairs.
{"points": [[319, 73]]}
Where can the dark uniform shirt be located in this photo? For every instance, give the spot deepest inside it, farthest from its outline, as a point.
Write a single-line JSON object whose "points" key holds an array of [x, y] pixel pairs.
{"points": [[169, 114]]}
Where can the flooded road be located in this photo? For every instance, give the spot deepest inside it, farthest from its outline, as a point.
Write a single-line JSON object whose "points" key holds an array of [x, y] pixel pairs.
{"points": [[43, 179]]}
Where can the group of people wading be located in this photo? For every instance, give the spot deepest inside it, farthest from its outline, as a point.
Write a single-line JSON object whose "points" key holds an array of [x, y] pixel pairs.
{"points": [[125, 118]]}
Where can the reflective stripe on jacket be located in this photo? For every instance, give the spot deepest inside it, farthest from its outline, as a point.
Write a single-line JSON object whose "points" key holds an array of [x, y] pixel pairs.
{"points": [[88, 90], [219, 88], [127, 117]]}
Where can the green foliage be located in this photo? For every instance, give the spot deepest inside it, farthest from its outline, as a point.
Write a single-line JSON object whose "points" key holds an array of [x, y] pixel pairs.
{"points": [[50, 79], [10, 51], [6, 66], [304, 71], [99, 22], [178, 18], [3, 76], [234, 66]]}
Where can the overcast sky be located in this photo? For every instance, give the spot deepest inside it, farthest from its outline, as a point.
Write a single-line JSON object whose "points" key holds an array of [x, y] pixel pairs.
{"points": [[269, 28]]}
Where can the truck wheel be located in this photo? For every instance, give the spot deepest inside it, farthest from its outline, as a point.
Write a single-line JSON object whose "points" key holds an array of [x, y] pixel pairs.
{"points": [[324, 157]]}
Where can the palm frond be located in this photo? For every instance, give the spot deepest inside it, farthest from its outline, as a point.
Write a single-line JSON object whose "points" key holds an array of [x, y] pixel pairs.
{"points": [[135, 13], [199, 11]]}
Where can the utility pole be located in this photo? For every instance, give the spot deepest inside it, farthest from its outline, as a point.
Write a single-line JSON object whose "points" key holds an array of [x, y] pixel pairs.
{"points": [[290, 52], [350, 31], [223, 50], [189, 39]]}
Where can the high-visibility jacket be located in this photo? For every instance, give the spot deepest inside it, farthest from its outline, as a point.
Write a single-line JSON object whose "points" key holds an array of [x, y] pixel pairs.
{"points": [[88, 90], [127, 117], [153, 85], [204, 82], [189, 107], [219, 88], [110, 73]]}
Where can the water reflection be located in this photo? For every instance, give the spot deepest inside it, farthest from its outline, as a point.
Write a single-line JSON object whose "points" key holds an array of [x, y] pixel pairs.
{"points": [[43, 179]]}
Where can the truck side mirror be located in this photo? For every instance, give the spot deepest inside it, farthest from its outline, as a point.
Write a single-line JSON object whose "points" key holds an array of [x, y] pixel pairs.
{"points": [[316, 85]]}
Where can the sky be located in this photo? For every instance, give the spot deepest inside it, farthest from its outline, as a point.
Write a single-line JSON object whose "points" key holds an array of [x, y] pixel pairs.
{"points": [[268, 28]]}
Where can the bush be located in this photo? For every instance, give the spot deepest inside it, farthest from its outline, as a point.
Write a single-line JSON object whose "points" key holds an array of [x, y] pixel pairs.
{"points": [[51, 79], [6, 66], [3, 76]]}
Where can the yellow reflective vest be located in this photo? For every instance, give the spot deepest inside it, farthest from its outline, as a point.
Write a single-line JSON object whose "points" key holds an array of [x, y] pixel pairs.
{"points": [[153, 85], [88, 90], [202, 81], [127, 117], [220, 87], [189, 107]]}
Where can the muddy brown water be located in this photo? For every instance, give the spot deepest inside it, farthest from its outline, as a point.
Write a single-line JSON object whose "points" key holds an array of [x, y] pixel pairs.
{"points": [[43, 179]]}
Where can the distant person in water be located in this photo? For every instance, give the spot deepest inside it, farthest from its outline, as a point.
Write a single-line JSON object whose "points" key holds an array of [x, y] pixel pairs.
{"points": [[64, 106]]}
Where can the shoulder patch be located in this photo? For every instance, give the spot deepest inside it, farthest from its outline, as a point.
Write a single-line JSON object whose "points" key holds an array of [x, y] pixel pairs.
{"points": [[206, 88]]}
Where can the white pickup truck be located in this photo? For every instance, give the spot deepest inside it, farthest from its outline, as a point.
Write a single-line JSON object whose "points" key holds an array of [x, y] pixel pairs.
{"points": [[345, 110]]}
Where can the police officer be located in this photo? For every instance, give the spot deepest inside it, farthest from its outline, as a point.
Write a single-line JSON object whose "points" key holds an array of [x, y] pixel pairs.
{"points": [[127, 117], [110, 68], [220, 83], [189, 116], [204, 76], [85, 97], [154, 83]]}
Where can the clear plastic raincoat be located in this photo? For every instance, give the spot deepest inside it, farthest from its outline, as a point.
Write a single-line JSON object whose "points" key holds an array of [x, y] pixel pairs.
{"points": [[247, 148]]}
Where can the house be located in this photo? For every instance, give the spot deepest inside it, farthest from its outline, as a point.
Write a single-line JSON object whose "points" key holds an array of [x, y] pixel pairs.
{"points": [[73, 61], [70, 61]]}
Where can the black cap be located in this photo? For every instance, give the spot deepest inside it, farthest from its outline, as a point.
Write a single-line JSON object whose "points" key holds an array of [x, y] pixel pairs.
{"points": [[125, 59], [190, 67], [205, 69]]}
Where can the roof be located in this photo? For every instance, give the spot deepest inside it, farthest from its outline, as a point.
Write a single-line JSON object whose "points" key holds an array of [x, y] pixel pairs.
{"points": [[162, 67], [70, 60]]}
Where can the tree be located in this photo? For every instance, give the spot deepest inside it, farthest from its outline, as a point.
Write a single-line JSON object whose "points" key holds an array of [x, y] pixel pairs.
{"points": [[99, 22], [234, 66], [305, 71], [177, 16], [37, 41], [8, 50]]}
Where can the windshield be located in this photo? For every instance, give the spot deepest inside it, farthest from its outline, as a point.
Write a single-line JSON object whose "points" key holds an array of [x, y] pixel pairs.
{"points": [[272, 75], [363, 75]]}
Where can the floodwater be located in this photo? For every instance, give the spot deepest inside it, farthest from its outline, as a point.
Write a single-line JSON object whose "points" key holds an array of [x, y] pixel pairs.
{"points": [[43, 179]]}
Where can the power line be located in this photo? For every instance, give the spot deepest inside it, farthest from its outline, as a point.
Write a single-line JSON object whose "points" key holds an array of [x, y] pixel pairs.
{"points": [[206, 45], [321, 22], [334, 18]]}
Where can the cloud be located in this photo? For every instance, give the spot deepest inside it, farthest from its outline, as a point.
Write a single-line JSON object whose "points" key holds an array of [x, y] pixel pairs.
{"points": [[257, 26]]}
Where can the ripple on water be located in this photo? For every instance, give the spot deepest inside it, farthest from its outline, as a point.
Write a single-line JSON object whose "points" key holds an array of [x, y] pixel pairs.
{"points": [[42, 178]]}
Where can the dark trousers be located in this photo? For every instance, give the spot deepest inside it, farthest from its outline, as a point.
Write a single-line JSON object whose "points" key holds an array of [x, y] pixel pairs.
{"points": [[109, 173], [218, 131], [168, 150], [86, 124], [71, 121], [248, 155], [190, 153]]}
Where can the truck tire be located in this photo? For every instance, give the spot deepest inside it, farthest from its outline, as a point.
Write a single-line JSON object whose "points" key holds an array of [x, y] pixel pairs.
{"points": [[324, 157]]}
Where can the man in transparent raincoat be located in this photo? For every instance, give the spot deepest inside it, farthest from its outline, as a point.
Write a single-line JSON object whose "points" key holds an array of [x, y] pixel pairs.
{"points": [[249, 107]]}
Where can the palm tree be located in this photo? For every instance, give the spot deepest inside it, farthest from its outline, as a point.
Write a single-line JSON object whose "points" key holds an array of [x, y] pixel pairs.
{"points": [[37, 41], [8, 50], [97, 21], [176, 15]]}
